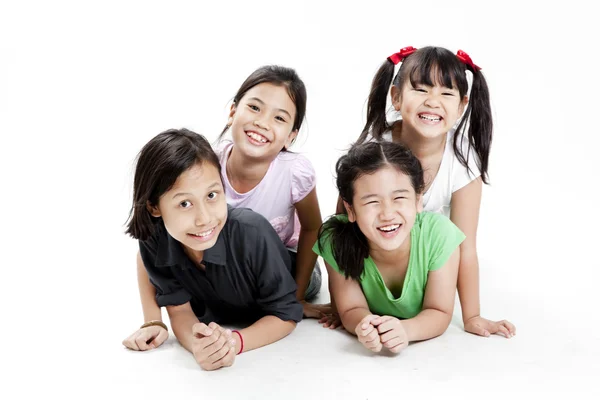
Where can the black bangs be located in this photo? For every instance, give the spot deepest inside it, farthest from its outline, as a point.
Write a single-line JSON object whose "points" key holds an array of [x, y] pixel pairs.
{"points": [[435, 66]]}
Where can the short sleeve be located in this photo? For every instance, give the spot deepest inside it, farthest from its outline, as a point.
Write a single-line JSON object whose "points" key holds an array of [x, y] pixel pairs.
{"points": [[272, 265], [303, 179], [442, 238], [324, 248], [461, 175], [169, 292]]}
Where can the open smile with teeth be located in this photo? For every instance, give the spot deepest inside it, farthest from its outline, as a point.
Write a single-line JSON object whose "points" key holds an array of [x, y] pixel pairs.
{"points": [[389, 228], [203, 234], [429, 117], [257, 137]]}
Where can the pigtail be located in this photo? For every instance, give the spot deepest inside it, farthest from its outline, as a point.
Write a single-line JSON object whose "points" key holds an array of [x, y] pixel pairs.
{"points": [[376, 111], [350, 247], [479, 118]]}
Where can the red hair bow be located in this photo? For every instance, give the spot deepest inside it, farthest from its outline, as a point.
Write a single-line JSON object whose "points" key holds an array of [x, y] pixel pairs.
{"points": [[402, 54], [466, 59]]}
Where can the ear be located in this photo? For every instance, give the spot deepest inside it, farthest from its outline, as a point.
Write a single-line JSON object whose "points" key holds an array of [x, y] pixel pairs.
{"points": [[290, 139], [350, 212], [231, 114], [153, 210], [463, 104], [419, 203], [396, 98]]}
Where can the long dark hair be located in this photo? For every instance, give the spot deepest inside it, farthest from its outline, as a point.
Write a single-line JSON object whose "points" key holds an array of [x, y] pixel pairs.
{"points": [[159, 164], [350, 246], [438, 64], [276, 75]]}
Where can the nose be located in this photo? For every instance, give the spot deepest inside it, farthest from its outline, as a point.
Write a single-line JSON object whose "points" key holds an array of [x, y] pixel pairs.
{"points": [[202, 216], [260, 124], [433, 99], [387, 211]]}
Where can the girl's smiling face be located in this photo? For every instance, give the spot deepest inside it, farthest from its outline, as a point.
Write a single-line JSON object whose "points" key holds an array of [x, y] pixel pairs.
{"points": [[194, 210], [385, 206], [262, 121]]}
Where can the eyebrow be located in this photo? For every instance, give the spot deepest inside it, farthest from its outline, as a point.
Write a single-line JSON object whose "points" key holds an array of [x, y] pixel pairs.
{"points": [[398, 191], [262, 102], [213, 186]]}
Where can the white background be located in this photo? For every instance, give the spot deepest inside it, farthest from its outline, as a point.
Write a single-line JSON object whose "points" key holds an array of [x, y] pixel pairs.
{"points": [[84, 85]]}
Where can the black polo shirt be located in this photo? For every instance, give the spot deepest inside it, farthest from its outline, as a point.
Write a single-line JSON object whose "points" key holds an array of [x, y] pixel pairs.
{"points": [[247, 275]]}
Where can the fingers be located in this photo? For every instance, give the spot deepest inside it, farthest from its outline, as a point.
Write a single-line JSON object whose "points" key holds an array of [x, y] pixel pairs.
{"points": [[366, 321], [201, 329], [335, 323], [129, 341], [160, 339], [387, 325], [226, 361], [221, 352], [381, 319], [369, 338], [399, 347], [142, 340], [477, 329], [511, 327]]}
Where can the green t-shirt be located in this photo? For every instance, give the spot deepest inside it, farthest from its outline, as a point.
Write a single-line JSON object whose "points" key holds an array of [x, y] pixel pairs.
{"points": [[433, 240]]}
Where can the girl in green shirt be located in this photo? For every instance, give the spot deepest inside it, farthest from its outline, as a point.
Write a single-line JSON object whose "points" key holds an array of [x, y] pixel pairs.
{"points": [[392, 268]]}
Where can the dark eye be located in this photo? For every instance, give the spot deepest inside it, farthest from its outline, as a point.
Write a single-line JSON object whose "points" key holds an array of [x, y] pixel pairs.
{"points": [[280, 119], [253, 107], [185, 204], [212, 195]]}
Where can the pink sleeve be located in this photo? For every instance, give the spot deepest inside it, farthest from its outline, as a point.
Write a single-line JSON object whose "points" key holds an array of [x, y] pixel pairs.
{"points": [[303, 179]]}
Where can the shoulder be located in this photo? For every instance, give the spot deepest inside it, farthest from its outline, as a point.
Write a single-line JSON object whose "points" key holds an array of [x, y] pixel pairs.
{"points": [[294, 161], [432, 221], [245, 219], [437, 228]]}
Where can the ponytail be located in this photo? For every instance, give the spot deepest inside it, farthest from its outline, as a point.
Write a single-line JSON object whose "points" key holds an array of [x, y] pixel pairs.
{"points": [[376, 110], [349, 244], [479, 118]]}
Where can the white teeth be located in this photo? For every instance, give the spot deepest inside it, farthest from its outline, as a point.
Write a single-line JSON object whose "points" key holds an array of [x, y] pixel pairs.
{"points": [[257, 137], [389, 228], [203, 234], [430, 118]]}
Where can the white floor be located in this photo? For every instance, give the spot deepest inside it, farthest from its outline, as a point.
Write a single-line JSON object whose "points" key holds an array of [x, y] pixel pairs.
{"points": [[552, 353]]}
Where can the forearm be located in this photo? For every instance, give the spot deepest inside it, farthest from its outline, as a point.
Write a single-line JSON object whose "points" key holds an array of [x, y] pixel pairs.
{"points": [[182, 323], [468, 285], [428, 324], [266, 330], [352, 317], [150, 309], [305, 261]]}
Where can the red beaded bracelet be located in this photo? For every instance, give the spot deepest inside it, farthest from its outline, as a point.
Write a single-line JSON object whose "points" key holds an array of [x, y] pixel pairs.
{"points": [[241, 341]]}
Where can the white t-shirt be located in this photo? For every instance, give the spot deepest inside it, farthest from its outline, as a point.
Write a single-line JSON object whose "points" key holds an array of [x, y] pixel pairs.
{"points": [[451, 176]]}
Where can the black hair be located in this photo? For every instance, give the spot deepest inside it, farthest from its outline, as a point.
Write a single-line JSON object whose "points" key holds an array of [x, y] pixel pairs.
{"points": [[426, 66], [350, 246], [160, 162]]}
